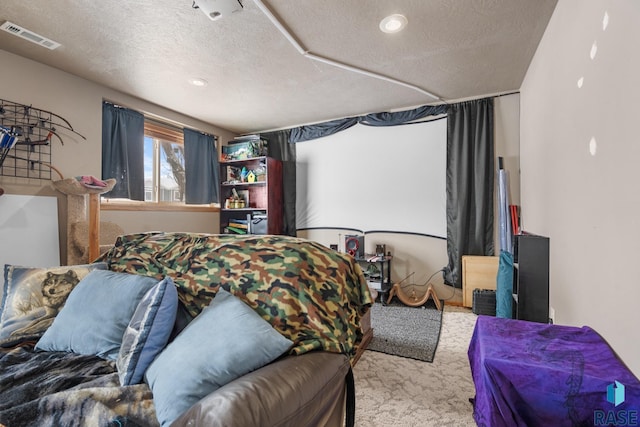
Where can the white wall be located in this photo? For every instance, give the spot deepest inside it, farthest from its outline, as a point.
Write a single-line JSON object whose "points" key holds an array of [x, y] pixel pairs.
{"points": [[191, 222], [80, 102], [582, 86]]}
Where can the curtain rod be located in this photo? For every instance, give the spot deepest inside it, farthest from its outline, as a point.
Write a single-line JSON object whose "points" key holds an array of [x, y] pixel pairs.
{"points": [[156, 119]]}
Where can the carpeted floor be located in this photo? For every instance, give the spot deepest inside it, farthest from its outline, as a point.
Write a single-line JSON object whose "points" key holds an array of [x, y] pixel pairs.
{"points": [[397, 391], [406, 331]]}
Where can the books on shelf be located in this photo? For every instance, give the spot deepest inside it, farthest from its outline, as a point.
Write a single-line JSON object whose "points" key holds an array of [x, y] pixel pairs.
{"points": [[235, 230], [238, 225]]}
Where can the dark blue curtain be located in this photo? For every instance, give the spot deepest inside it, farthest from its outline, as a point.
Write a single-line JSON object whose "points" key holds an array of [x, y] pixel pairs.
{"points": [[306, 133], [470, 184], [402, 117], [201, 168], [309, 132], [123, 151]]}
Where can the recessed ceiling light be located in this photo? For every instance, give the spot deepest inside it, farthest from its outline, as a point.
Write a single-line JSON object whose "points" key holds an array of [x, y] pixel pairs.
{"points": [[393, 23], [198, 82]]}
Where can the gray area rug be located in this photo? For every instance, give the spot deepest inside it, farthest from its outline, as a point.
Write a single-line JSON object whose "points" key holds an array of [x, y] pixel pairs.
{"points": [[411, 332], [402, 392]]}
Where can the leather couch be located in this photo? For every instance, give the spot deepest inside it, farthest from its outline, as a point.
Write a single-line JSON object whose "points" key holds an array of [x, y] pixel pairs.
{"points": [[305, 390]]}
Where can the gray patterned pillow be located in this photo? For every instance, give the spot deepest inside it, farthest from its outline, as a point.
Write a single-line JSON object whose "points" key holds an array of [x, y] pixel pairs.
{"points": [[33, 297], [148, 331]]}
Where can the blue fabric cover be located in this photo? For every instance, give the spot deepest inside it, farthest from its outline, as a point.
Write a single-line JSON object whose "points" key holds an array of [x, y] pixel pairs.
{"points": [[225, 341], [96, 314], [148, 332], [504, 285], [535, 374], [33, 296]]}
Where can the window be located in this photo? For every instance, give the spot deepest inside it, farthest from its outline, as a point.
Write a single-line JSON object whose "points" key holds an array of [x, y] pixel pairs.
{"points": [[164, 175]]}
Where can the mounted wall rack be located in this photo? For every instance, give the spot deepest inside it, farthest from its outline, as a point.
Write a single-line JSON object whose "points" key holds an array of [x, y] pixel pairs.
{"points": [[27, 133]]}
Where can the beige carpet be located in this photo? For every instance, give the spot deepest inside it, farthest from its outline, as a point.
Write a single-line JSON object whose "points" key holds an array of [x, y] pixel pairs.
{"points": [[395, 391]]}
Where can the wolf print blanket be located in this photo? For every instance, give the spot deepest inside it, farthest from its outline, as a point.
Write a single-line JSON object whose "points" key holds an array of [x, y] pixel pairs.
{"points": [[52, 389]]}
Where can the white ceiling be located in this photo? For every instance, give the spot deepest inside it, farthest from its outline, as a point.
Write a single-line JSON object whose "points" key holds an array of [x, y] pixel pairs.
{"points": [[257, 80]]}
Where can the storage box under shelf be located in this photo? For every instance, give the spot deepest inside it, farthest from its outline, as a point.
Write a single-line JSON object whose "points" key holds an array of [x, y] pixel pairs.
{"points": [[484, 302]]}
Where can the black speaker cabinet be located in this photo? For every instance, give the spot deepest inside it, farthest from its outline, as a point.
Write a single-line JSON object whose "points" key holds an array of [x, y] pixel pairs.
{"points": [[354, 246]]}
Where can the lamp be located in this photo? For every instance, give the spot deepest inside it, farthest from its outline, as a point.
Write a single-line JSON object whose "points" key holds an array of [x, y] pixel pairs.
{"points": [[216, 9], [393, 23]]}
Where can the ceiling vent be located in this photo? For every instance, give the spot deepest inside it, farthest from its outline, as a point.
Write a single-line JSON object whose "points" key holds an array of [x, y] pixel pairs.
{"points": [[17, 30]]}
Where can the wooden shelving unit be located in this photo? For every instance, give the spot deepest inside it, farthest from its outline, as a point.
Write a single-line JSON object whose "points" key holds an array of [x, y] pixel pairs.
{"points": [[263, 209]]}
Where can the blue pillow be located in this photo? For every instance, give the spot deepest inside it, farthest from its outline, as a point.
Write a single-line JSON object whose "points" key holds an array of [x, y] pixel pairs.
{"points": [[33, 297], [225, 341], [148, 332], [96, 314]]}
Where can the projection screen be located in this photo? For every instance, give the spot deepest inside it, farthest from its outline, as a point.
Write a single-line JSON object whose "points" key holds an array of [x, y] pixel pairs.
{"points": [[375, 179]]}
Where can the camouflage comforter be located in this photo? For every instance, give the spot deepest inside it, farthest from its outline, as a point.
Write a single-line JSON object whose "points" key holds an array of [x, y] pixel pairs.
{"points": [[311, 294]]}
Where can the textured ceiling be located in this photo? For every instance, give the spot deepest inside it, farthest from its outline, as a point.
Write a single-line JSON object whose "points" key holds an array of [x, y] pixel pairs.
{"points": [[454, 49]]}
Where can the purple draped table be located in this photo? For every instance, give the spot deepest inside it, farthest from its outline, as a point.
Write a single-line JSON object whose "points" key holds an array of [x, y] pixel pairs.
{"points": [[534, 374]]}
